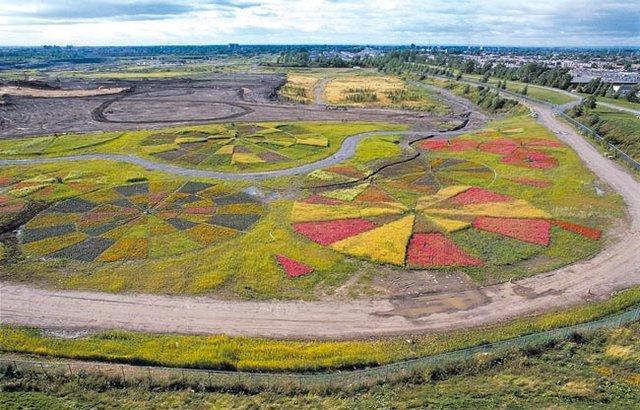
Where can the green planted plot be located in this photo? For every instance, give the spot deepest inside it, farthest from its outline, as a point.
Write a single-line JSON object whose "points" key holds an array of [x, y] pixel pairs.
{"points": [[241, 147]]}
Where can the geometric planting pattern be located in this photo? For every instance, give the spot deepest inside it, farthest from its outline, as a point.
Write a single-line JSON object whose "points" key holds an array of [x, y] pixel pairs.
{"points": [[523, 152], [374, 220], [138, 221], [240, 145]]}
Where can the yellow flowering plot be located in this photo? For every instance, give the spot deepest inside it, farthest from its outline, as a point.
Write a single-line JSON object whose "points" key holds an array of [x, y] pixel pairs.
{"points": [[314, 141], [387, 243], [225, 150], [513, 131], [245, 158], [515, 209], [126, 249], [55, 243], [304, 212], [450, 225], [346, 194], [441, 195]]}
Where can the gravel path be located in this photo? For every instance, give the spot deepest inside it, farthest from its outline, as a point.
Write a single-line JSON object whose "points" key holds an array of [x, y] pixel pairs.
{"points": [[617, 267], [346, 151]]}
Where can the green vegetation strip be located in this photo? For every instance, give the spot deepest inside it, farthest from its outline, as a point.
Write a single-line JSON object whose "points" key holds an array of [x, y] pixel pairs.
{"points": [[256, 354]]}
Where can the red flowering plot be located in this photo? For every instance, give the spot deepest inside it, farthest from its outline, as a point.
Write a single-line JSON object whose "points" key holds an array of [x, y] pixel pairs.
{"points": [[427, 250], [536, 231], [591, 233], [435, 145], [499, 146], [543, 143], [463, 145], [538, 183], [292, 267], [328, 232], [475, 195], [530, 158]]}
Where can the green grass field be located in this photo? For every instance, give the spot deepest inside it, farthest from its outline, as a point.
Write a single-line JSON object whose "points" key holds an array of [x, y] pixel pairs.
{"points": [[599, 371], [253, 354]]}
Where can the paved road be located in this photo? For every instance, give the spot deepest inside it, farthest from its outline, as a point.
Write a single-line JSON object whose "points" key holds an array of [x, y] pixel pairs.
{"points": [[615, 268]]}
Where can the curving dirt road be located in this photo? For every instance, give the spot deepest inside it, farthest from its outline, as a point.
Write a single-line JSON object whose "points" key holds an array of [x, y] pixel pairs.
{"points": [[615, 268]]}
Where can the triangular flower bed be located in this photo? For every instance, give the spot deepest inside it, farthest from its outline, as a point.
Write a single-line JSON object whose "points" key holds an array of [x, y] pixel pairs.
{"points": [[591, 233], [475, 195], [428, 250], [328, 232], [536, 231], [292, 267]]}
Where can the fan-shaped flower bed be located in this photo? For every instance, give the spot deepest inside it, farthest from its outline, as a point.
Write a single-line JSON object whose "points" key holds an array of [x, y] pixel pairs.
{"points": [[140, 220]]}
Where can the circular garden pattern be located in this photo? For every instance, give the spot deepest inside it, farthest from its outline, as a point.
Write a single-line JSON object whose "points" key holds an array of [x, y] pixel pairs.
{"points": [[408, 217], [140, 220], [240, 145]]}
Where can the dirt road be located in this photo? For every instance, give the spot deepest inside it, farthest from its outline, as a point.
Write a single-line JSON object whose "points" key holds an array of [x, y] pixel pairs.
{"points": [[615, 268]]}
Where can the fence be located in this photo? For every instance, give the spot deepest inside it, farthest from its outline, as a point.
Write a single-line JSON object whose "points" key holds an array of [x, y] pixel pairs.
{"points": [[300, 382]]}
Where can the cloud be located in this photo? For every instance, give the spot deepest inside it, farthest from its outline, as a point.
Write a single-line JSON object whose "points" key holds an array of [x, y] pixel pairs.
{"points": [[502, 22]]}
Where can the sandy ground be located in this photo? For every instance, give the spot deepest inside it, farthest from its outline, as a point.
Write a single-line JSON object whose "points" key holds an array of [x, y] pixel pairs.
{"points": [[53, 93], [616, 268]]}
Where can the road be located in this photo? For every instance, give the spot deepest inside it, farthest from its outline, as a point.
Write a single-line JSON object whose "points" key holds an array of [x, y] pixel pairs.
{"points": [[617, 267]]}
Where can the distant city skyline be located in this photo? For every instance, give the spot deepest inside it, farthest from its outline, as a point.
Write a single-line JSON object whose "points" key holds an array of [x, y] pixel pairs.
{"points": [[546, 23]]}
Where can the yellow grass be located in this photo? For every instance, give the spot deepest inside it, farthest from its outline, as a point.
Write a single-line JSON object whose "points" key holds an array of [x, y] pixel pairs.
{"points": [[54, 244], [297, 82], [303, 212], [516, 209], [314, 141], [346, 194], [387, 243], [245, 158], [125, 248], [225, 150], [450, 225], [441, 195], [338, 88]]}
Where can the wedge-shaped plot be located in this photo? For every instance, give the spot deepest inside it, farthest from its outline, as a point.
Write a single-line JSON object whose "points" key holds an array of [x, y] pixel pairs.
{"points": [[387, 244], [303, 212], [516, 209], [441, 195]]}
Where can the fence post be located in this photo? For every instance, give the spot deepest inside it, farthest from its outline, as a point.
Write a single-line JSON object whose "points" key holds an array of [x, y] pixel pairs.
{"points": [[124, 379]]}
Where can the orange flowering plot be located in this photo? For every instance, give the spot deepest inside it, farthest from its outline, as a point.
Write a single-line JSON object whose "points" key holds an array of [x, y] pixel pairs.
{"points": [[591, 233], [536, 231]]}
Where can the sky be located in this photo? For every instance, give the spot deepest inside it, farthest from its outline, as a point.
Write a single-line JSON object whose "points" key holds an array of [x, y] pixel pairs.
{"points": [[393, 22]]}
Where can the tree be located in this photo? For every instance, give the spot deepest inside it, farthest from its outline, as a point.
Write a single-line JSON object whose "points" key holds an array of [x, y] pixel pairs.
{"points": [[525, 90], [590, 102], [485, 77]]}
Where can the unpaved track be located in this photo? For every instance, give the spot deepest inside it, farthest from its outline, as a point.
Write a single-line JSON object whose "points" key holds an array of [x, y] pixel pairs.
{"points": [[617, 267]]}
